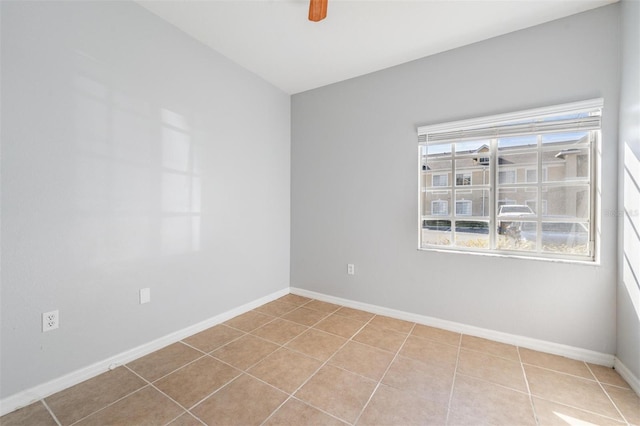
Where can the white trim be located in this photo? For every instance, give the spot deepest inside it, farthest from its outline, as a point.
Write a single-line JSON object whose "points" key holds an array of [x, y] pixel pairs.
{"points": [[626, 374], [39, 392], [513, 116], [512, 339]]}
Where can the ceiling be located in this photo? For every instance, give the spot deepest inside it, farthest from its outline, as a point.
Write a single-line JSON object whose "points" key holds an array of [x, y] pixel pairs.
{"points": [[274, 39]]}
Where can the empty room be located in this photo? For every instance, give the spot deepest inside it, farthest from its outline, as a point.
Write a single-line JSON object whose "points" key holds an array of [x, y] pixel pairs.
{"points": [[312, 212]]}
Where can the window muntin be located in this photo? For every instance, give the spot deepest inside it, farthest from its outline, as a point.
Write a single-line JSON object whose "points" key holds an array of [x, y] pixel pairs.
{"points": [[545, 167]]}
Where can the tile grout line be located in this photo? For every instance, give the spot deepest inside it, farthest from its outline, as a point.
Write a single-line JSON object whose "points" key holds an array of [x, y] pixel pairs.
{"points": [[584, 411], [245, 371], [210, 395], [568, 405], [188, 414], [558, 371], [170, 372], [318, 369], [110, 404], [50, 412], [375, 389], [148, 383], [526, 382], [607, 394], [186, 410], [480, 379], [317, 408], [453, 383]]}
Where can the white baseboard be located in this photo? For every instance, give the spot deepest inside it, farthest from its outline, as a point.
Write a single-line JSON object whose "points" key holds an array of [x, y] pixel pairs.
{"points": [[626, 374], [36, 393], [512, 339]]}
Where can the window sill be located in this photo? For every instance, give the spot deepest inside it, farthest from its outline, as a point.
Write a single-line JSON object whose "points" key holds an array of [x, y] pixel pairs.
{"points": [[512, 256]]}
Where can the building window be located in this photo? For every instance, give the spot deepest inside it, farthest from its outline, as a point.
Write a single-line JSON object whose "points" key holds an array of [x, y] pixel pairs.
{"points": [[439, 179], [507, 176], [463, 179], [523, 183], [439, 208], [463, 207]]}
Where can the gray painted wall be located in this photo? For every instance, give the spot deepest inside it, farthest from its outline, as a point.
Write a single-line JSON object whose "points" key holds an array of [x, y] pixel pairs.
{"points": [[354, 184], [132, 156], [628, 317]]}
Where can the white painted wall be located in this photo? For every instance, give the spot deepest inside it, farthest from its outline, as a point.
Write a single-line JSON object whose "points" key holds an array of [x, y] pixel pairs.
{"points": [[132, 156], [355, 195], [628, 313]]}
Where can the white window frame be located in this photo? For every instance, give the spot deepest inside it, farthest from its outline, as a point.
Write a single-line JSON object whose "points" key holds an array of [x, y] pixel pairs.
{"points": [[582, 116]]}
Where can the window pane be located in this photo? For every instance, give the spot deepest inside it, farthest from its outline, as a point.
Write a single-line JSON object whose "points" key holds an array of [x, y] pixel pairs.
{"points": [[531, 175], [463, 208], [436, 203], [568, 238], [564, 165], [472, 234], [507, 176], [463, 179], [472, 202], [567, 202], [436, 232], [517, 196], [439, 179], [513, 208], [565, 137], [517, 167], [530, 141], [517, 235], [472, 147], [441, 150], [439, 208], [532, 203], [436, 166], [470, 172]]}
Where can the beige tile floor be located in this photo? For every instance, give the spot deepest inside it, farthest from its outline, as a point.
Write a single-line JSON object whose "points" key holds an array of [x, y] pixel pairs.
{"points": [[297, 361]]}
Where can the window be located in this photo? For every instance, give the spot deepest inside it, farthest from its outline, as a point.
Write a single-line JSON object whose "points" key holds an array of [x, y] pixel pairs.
{"points": [[439, 179], [439, 208], [463, 179], [532, 204], [463, 208], [507, 176], [519, 184]]}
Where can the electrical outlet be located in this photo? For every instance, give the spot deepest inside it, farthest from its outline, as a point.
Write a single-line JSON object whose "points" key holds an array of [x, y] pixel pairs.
{"points": [[351, 269], [50, 320]]}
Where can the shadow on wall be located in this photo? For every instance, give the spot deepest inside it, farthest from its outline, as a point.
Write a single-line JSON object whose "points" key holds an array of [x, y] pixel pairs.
{"points": [[138, 185], [631, 232]]}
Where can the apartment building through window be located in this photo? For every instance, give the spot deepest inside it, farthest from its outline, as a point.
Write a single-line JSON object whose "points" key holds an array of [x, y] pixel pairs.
{"points": [[516, 184]]}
